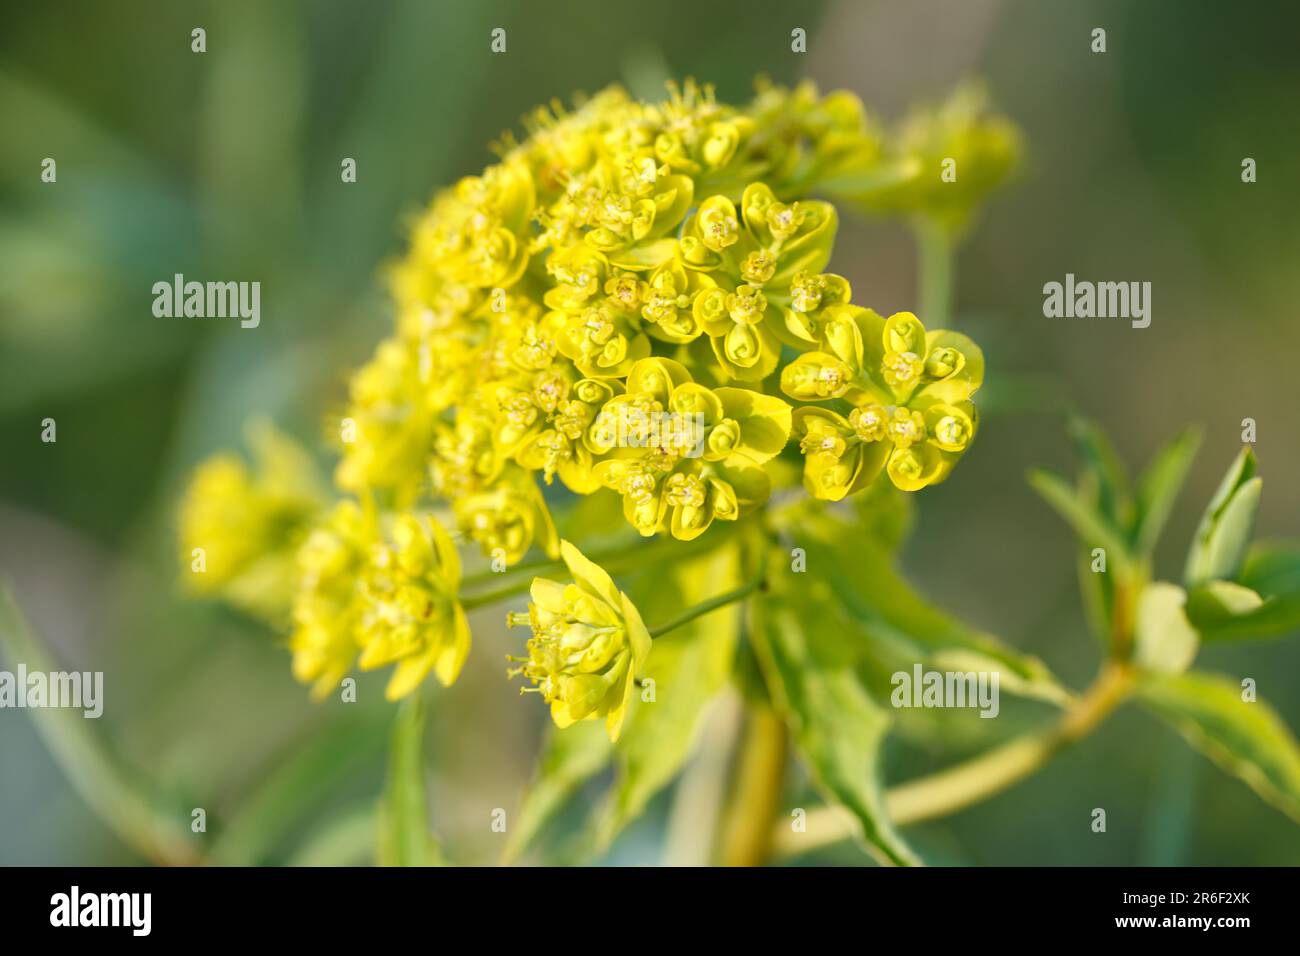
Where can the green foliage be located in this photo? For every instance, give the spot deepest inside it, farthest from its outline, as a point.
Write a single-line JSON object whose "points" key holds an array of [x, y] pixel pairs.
{"points": [[570, 757], [688, 667], [303, 779], [147, 818], [1094, 527], [1233, 592], [887, 608], [1273, 569], [1219, 547], [404, 836], [1246, 738], [837, 727], [1113, 498], [1159, 486]]}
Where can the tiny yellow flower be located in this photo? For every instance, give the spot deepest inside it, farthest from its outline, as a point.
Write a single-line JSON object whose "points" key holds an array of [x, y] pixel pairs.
{"points": [[327, 606], [239, 528], [683, 455], [508, 517], [389, 425], [410, 615], [587, 645]]}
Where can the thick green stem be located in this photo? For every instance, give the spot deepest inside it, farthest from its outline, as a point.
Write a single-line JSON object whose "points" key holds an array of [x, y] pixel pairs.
{"points": [[935, 266], [760, 777]]}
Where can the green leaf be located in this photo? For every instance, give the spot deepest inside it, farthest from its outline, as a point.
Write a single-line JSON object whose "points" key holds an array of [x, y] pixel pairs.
{"points": [[1159, 487], [837, 727], [311, 769], [1098, 592], [1166, 642], [1272, 568], [404, 837], [1216, 603], [139, 812], [347, 839], [688, 667], [569, 758], [1092, 527], [1246, 738], [885, 514], [1225, 611], [887, 607], [1219, 547], [1114, 499]]}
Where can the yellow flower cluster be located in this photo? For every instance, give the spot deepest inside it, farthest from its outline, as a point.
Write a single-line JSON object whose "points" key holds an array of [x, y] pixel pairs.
{"points": [[634, 297], [623, 233]]}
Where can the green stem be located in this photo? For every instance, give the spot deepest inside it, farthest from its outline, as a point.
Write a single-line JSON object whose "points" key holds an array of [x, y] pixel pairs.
{"points": [[977, 779], [970, 782], [473, 601], [704, 607], [136, 808], [935, 267], [404, 835], [760, 777], [611, 559], [486, 577]]}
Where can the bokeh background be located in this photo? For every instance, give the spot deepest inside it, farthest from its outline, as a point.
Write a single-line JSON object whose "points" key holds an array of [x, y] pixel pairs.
{"points": [[226, 165]]}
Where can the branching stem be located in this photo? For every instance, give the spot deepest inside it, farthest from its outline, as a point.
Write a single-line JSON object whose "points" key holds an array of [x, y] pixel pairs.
{"points": [[967, 783]]}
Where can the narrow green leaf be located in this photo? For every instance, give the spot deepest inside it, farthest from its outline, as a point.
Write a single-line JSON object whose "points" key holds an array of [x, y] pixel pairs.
{"points": [[569, 758], [302, 780], [345, 840], [688, 667], [1219, 547], [837, 727], [1246, 738], [1097, 590], [1159, 487], [1103, 464], [1221, 555], [1272, 568], [404, 836], [1089, 524], [122, 796]]}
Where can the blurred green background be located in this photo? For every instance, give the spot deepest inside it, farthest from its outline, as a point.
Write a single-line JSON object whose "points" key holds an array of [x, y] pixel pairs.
{"points": [[226, 166]]}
